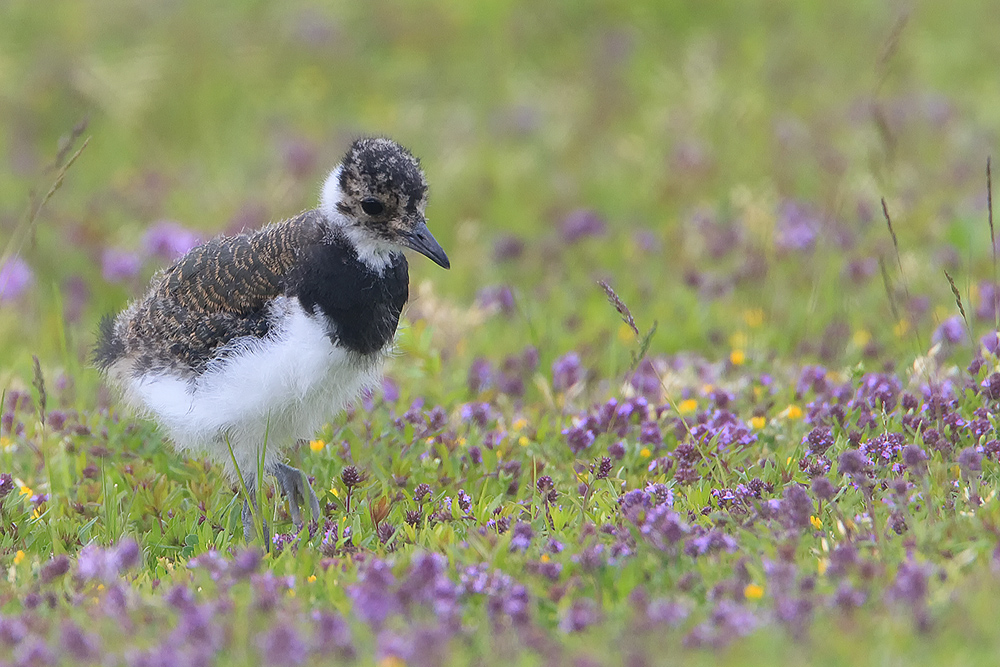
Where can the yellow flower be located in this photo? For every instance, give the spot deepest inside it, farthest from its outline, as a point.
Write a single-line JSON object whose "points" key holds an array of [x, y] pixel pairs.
{"points": [[902, 328], [26, 490], [861, 338], [6, 443], [461, 442], [311, 578], [817, 524], [391, 661], [793, 412], [625, 333], [519, 424], [754, 317], [821, 566], [523, 441], [316, 445], [18, 557], [545, 558], [645, 453], [334, 491], [758, 422], [687, 406], [737, 357], [753, 592]]}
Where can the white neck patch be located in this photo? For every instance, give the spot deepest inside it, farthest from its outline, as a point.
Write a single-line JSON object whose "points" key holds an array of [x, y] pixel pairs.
{"points": [[374, 253]]}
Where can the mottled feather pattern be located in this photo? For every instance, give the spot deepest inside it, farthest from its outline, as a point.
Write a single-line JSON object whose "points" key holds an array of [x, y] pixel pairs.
{"points": [[215, 294]]}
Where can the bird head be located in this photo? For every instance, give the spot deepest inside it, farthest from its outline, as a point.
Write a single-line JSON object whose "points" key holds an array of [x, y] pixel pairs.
{"points": [[376, 197]]}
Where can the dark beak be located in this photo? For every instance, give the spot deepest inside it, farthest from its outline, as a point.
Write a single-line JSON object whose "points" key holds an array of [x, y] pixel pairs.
{"points": [[421, 240]]}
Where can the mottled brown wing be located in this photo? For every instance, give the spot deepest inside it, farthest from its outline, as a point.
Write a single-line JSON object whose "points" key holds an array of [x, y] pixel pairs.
{"points": [[238, 274], [216, 293]]}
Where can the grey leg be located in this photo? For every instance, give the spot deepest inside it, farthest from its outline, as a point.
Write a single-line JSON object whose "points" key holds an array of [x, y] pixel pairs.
{"points": [[249, 530], [297, 489], [250, 527]]}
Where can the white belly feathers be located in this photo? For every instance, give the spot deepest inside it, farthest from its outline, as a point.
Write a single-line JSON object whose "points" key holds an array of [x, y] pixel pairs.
{"points": [[285, 386]]}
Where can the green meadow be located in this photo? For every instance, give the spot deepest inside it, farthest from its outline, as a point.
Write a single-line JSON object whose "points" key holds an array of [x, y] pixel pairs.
{"points": [[713, 378]]}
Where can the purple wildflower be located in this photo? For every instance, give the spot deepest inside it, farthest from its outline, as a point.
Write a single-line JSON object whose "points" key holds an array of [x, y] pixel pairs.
{"points": [[118, 266], [797, 227], [15, 277], [662, 611], [522, 536], [507, 248], [106, 564], [34, 653], [578, 438], [332, 636], [650, 434], [481, 375], [56, 567], [179, 597], [914, 459], [566, 371], [12, 630], [245, 563], [582, 614], [373, 600], [268, 588], [497, 298], [169, 240], [580, 224], [911, 584], [476, 413], [709, 542], [617, 450], [464, 500], [421, 492], [197, 627], [991, 386], [282, 646], [823, 488], [951, 331], [663, 527], [853, 463], [970, 460], [661, 493], [6, 484], [81, 646], [991, 341], [797, 507], [848, 598]]}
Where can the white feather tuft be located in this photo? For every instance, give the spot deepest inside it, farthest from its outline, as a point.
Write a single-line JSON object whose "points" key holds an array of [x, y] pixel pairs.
{"points": [[286, 386]]}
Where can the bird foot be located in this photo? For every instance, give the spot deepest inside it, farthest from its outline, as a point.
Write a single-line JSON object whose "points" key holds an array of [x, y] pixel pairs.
{"points": [[297, 489]]}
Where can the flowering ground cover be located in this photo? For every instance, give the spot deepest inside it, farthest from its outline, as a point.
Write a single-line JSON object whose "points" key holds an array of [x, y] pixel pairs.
{"points": [[693, 392]]}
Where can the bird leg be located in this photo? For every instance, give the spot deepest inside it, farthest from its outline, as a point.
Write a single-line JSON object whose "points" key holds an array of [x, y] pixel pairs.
{"points": [[297, 489]]}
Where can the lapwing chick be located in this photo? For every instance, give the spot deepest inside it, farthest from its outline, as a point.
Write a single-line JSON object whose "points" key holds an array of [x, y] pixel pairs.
{"points": [[256, 340]]}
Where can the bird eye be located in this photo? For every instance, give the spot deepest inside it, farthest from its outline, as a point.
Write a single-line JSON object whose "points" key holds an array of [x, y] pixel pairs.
{"points": [[372, 206]]}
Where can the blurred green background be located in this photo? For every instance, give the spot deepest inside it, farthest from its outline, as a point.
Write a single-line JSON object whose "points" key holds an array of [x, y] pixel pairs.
{"points": [[696, 142]]}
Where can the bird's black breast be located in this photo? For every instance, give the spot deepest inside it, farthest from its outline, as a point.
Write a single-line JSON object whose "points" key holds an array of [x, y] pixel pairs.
{"points": [[362, 305]]}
